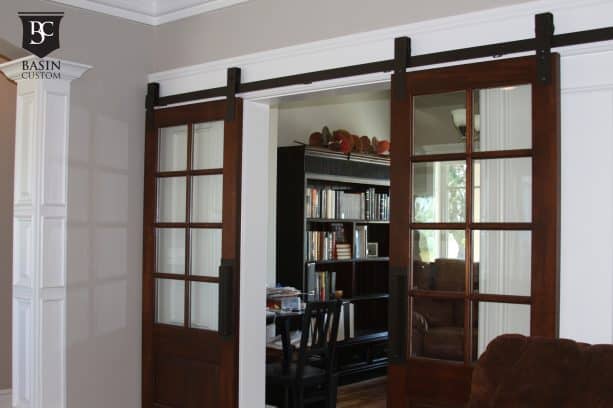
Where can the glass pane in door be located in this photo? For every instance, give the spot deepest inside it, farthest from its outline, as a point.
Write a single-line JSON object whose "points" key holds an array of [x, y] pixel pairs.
{"points": [[493, 319], [171, 199], [502, 190], [503, 118], [502, 262], [438, 328], [205, 251], [439, 123], [208, 145], [170, 248], [170, 301], [204, 312], [439, 191], [172, 148], [439, 260], [207, 198]]}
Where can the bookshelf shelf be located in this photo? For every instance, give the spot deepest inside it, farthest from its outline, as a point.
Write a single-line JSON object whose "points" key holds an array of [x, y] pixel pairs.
{"points": [[313, 190], [352, 260], [346, 221], [333, 261], [374, 296], [373, 259]]}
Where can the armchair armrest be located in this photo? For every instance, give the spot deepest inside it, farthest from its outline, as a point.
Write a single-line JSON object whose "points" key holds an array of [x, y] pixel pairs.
{"points": [[420, 328]]}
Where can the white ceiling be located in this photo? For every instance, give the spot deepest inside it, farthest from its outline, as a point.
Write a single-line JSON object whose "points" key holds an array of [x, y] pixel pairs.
{"points": [[153, 12]]}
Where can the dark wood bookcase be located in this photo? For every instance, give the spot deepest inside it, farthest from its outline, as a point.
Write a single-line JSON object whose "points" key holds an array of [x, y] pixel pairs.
{"points": [[364, 281]]}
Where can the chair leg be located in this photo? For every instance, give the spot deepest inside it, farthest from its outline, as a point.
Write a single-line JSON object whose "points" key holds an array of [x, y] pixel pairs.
{"points": [[332, 389], [285, 397], [298, 397]]}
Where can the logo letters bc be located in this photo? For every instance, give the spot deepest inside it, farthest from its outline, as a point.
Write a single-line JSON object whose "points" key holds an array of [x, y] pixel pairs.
{"points": [[41, 32]]}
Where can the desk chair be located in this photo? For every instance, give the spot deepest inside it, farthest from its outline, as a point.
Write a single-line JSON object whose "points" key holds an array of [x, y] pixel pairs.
{"points": [[310, 379]]}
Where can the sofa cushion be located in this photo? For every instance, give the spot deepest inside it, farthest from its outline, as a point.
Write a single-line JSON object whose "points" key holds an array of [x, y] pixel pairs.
{"points": [[517, 371], [494, 364], [544, 375], [596, 388]]}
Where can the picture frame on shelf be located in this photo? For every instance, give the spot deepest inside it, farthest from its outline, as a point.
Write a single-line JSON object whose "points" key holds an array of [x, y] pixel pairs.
{"points": [[372, 249]]}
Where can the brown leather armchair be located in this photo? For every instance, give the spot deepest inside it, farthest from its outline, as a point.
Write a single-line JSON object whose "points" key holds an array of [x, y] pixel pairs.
{"points": [[438, 324]]}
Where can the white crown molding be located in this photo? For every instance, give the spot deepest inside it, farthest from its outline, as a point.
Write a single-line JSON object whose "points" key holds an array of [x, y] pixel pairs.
{"points": [[69, 70], [194, 10], [427, 36], [149, 14]]}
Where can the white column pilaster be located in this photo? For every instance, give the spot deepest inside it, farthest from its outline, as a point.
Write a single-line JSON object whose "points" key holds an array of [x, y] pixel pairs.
{"points": [[39, 234]]}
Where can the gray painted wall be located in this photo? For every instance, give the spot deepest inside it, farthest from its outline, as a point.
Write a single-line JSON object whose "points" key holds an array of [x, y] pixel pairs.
{"points": [[260, 25], [7, 142], [104, 200]]}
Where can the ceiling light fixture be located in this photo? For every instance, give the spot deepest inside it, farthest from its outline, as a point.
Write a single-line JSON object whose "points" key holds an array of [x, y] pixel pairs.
{"points": [[458, 116]]}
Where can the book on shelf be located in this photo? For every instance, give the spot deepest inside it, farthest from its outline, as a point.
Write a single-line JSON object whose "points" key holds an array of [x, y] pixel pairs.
{"points": [[346, 325], [360, 241], [343, 251], [321, 285], [323, 245], [335, 203]]}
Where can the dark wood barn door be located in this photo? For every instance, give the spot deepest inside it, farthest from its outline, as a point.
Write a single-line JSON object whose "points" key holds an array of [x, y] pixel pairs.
{"points": [[191, 253], [474, 234]]}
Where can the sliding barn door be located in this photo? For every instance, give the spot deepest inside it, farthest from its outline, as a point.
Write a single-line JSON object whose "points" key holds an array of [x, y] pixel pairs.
{"points": [[191, 252], [474, 244]]}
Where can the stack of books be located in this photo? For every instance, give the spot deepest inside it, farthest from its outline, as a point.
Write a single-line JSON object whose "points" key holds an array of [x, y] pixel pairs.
{"points": [[283, 298], [343, 251]]}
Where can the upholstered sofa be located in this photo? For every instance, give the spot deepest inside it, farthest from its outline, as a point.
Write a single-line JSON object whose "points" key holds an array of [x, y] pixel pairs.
{"points": [[518, 371]]}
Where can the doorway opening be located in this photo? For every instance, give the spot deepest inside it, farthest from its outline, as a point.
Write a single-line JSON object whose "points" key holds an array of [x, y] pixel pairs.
{"points": [[330, 235]]}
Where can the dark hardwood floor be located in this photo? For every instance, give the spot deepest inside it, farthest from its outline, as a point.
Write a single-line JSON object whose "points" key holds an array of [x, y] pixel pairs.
{"points": [[366, 394]]}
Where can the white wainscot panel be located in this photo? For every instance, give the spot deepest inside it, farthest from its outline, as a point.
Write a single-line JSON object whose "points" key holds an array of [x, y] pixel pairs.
{"points": [[586, 282], [52, 350], [54, 252], [22, 355], [24, 150], [22, 251], [55, 148]]}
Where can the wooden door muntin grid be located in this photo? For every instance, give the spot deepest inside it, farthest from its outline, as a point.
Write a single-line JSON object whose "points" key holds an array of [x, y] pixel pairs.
{"points": [[204, 352], [189, 173], [544, 224]]}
